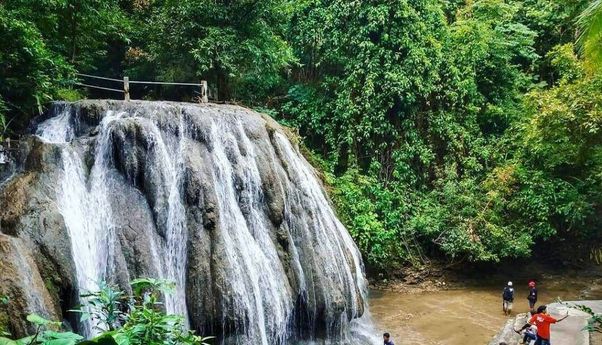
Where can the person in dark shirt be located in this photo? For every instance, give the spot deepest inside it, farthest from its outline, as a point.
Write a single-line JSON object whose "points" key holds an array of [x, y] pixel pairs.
{"points": [[507, 298], [530, 335], [532, 296], [387, 339]]}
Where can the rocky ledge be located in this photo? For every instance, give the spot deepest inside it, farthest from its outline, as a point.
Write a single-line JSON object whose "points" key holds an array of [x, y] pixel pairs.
{"points": [[570, 331]]}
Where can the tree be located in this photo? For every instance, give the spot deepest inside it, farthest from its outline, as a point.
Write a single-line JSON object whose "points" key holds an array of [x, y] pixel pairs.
{"points": [[81, 31], [408, 109], [552, 190], [367, 70], [31, 73], [236, 45]]}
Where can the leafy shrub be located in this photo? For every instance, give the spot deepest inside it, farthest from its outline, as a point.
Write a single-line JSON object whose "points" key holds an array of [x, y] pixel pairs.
{"points": [[138, 319], [30, 72], [46, 334]]}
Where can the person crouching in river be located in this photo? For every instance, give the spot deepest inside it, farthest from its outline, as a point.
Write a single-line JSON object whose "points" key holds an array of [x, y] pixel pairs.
{"points": [[532, 297], [507, 298], [542, 320], [387, 339]]}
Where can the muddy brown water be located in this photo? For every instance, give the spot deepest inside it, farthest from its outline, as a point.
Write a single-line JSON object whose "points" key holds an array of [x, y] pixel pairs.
{"points": [[468, 315]]}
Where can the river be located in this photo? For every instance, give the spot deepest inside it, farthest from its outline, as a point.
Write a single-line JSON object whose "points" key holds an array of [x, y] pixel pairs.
{"points": [[468, 315]]}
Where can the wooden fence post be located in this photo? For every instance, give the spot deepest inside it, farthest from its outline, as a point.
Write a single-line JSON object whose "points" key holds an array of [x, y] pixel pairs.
{"points": [[126, 88], [204, 96]]}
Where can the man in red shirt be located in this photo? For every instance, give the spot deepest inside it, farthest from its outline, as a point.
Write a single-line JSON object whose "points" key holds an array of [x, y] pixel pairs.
{"points": [[543, 321]]}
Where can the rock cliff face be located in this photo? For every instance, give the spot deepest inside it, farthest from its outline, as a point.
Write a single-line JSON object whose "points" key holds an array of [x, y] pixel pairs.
{"points": [[215, 198]]}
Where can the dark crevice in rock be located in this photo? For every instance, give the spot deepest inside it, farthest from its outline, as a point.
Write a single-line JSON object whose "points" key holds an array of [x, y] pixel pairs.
{"points": [[166, 154]]}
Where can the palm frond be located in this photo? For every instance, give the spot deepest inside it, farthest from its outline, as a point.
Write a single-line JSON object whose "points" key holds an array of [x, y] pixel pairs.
{"points": [[589, 41]]}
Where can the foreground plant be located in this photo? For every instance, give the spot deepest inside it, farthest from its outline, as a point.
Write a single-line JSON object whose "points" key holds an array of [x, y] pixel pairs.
{"points": [[119, 319], [47, 333], [138, 319]]}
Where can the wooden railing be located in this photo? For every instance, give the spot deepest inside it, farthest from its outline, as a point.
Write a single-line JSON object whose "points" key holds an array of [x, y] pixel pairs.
{"points": [[125, 83], [7, 147]]}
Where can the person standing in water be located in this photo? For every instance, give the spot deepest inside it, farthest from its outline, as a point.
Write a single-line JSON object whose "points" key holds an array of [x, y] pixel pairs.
{"points": [[532, 296], [387, 339], [507, 298]]}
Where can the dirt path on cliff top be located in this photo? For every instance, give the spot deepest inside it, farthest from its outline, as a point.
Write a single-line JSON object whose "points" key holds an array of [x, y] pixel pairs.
{"points": [[468, 314]]}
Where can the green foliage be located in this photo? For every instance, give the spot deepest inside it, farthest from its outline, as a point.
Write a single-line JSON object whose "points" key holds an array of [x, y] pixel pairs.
{"points": [[371, 66], [146, 323], [46, 334], [565, 63], [103, 307], [137, 319], [491, 53], [69, 95], [237, 45], [78, 30], [3, 121], [151, 288], [30, 72], [368, 218], [103, 339], [590, 39], [456, 130], [43, 43], [417, 104], [562, 145], [122, 320], [4, 300]]}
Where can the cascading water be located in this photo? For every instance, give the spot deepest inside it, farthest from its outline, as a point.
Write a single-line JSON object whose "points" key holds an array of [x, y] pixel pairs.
{"points": [[84, 204], [82, 200], [218, 200]]}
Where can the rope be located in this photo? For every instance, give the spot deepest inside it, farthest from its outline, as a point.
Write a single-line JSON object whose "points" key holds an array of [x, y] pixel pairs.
{"points": [[131, 82], [104, 78], [162, 82], [99, 87]]}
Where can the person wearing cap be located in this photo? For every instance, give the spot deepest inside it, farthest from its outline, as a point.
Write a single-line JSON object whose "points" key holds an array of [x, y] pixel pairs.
{"points": [[507, 298], [542, 320], [532, 297]]}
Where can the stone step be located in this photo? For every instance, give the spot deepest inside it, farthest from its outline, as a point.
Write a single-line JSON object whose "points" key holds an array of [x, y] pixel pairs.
{"points": [[570, 331]]}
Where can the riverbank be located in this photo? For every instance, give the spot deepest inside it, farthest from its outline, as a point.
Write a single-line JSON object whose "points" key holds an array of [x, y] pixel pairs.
{"points": [[456, 308], [437, 278]]}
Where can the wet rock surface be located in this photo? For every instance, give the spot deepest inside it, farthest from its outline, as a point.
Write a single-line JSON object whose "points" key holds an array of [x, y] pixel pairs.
{"points": [[214, 197], [36, 269]]}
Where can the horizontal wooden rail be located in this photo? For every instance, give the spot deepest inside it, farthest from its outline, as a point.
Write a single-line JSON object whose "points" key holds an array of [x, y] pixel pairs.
{"points": [[162, 83]]}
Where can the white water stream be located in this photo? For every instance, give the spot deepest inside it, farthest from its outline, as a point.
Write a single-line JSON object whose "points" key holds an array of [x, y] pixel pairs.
{"points": [[83, 201], [257, 300]]}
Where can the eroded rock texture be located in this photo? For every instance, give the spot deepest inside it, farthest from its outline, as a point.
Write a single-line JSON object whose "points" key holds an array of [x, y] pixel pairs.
{"points": [[213, 197]]}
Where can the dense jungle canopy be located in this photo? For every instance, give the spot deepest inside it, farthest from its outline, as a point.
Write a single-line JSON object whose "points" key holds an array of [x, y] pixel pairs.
{"points": [[449, 130]]}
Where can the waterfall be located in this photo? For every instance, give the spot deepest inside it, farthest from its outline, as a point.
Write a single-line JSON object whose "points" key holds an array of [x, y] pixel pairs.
{"points": [[218, 200]]}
